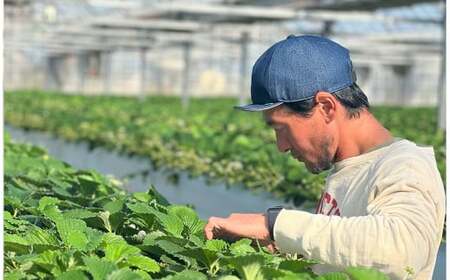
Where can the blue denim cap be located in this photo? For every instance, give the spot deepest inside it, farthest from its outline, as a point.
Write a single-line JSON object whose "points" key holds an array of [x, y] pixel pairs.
{"points": [[296, 68]]}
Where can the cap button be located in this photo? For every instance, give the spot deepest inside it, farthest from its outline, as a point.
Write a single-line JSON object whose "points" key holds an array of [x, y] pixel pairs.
{"points": [[290, 36]]}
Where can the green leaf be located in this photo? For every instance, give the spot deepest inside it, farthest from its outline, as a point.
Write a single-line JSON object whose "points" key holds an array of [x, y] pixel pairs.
{"points": [[104, 216], [171, 224], [170, 244], [114, 206], [109, 238], [15, 243], [334, 276], [15, 275], [188, 275], [78, 240], [144, 263], [249, 267], [228, 277], [159, 198], [296, 266], [72, 275], [94, 237], [72, 232], [46, 201], [204, 256], [140, 208], [142, 196], [242, 247], [52, 212], [78, 214], [124, 274], [361, 273], [216, 245], [99, 268], [115, 252], [144, 275]]}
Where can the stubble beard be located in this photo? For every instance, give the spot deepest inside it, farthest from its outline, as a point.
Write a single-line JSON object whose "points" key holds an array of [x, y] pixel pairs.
{"points": [[325, 160]]}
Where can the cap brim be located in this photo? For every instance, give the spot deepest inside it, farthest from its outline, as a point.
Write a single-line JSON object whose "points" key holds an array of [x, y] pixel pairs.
{"points": [[258, 107]]}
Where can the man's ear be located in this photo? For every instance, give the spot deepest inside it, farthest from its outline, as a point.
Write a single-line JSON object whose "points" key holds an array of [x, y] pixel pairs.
{"points": [[327, 105]]}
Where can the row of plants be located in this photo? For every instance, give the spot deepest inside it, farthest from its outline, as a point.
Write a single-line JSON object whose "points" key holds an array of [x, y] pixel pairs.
{"points": [[208, 138], [63, 223]]}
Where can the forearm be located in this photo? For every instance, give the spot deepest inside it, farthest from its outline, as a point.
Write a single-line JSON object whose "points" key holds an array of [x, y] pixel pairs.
{"points": [[387, 242]]}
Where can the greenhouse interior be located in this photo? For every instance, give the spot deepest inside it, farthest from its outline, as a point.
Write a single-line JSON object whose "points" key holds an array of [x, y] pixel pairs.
{"points": [[121, 136]]}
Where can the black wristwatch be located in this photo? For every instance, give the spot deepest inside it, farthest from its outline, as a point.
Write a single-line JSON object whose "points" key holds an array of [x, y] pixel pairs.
{"points": [[272, 214]]}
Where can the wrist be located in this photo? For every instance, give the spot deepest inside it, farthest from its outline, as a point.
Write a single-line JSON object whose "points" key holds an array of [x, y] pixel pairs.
{"points": [[271, 216]]}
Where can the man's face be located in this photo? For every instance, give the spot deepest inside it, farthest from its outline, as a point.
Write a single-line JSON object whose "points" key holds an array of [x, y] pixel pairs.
{"points": [[309, 140]]}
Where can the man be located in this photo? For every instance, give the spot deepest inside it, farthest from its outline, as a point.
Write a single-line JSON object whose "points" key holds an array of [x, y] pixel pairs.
{"points": [[383, 205]]}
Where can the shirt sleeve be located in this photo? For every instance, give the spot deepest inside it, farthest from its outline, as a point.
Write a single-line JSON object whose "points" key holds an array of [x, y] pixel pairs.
{"points": [[401, 228]]}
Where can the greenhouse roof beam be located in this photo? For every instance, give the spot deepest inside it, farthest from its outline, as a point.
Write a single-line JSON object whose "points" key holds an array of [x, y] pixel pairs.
{"points": [[215, 13], [140, 24]]}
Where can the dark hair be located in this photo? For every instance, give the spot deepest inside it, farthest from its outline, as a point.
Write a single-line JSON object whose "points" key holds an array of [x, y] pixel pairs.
{"points": [[352, 98]]}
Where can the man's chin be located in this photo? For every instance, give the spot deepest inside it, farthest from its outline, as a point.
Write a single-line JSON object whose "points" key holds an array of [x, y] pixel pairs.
{"points": [[316, 169]]}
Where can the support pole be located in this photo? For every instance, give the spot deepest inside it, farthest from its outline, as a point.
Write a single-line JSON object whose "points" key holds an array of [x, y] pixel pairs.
{"points": [[106, 69], [442, 81], [143, 83], [82, 68], [53, 79], [243, 88], [187, 46]]}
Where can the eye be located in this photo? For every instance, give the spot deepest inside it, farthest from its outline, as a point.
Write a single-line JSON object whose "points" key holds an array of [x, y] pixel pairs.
{"points": [[279, 128]]}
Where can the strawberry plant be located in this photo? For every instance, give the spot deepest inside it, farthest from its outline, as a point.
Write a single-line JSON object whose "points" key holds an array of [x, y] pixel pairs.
{"points": [[63, 223]]}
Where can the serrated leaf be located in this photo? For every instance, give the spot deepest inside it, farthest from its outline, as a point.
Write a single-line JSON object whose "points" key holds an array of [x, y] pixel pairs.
{"points": [[15, 275], [72, 232], [296, 266], [115, 252], [72, 275], [204, 256], [188, 217], [216, 245], [188, 275], [114, 206], [99, 268], [123, 274], [150, 239], [142, 196], [169, 246], [140, 208], [15, 243], [46, 201], [228, 277], [144, 275], [77, 240], [52, 212], [242, 247], [109, 238], [334, 276], [249, 267], [361, 273], [159, 198], [78, 214], [94, 237], [144, 263]]}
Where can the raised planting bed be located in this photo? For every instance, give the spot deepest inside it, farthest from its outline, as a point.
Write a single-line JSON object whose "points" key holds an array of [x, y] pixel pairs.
{"points": [[209, 138]]}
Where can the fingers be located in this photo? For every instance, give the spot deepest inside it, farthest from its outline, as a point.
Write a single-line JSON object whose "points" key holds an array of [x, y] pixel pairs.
{"points": [[213, 225]]}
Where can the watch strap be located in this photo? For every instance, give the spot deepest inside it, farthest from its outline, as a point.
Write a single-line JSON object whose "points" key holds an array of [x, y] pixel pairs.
{"points": [[272, 214]]}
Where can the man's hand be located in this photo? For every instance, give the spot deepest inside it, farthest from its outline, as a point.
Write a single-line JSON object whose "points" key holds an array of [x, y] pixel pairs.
{"points": [[237, 226]]}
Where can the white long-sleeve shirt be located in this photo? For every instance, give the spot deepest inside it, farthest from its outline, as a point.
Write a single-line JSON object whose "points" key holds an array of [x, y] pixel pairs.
{"points": [[383, 209]]}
